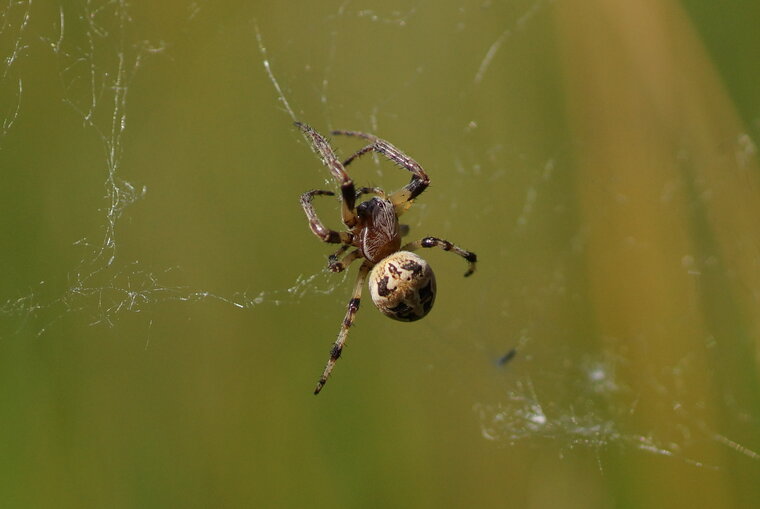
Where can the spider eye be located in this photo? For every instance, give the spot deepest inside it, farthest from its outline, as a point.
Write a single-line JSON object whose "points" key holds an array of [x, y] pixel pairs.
{"points": [[402, 286]]}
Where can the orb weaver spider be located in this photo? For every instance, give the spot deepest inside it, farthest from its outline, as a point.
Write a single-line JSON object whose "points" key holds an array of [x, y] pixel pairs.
{"points": [[401, 283]]}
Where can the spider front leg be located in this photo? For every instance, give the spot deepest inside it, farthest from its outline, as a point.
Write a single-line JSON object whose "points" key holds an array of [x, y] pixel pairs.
{"points": [[446, 246], [348, 320], [329, 159], [402, 198], [319, 229]]}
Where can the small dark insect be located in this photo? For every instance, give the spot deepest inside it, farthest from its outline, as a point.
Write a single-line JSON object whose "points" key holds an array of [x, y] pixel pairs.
{"points": [[401, 283], [504, 359]]}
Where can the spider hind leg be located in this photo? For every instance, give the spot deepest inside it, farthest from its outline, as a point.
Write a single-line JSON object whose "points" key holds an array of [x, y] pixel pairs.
{"points": [[348, 320]]}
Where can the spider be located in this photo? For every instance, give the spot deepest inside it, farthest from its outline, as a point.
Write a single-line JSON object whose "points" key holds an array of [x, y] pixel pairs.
{"points": [[401, 283]]}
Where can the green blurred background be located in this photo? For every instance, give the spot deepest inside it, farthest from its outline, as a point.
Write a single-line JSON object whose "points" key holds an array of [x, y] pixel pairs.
{"points": [[165, 312]]}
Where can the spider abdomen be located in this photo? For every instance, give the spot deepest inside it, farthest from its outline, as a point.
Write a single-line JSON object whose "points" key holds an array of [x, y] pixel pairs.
{"points": [[402, 286]]}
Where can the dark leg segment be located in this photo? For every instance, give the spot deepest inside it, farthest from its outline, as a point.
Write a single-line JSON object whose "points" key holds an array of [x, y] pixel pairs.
{"points": [[320, 230], [329, 159], [446, 246], [348, 320]]}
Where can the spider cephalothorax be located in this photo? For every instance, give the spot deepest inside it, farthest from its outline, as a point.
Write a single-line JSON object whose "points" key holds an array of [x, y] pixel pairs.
{"points": [[401, 283]]}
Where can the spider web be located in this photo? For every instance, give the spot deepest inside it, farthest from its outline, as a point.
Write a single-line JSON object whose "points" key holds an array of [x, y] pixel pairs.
{"points": [[96, 76], [100, 55]]}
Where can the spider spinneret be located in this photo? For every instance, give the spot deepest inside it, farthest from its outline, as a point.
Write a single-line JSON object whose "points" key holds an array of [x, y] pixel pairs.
{"points": [[401, 283]]}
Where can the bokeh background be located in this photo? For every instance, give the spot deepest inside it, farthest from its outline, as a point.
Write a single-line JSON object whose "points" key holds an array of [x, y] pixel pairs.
{"points": [[165, 311]]}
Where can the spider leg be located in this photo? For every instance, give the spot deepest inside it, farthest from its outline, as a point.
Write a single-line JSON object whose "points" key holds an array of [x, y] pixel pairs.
{"points": [[320, 230], [359, 153], [339, 265], [402, 198], [348, 320], [329, 159], [446, 246]]}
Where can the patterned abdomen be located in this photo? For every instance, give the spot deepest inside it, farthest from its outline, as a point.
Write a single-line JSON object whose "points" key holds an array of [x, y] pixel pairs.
{"points": [[402, 286]]}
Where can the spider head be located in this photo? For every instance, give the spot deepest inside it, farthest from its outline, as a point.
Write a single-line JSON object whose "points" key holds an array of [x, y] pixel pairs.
{"points": [[402, 286]]}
